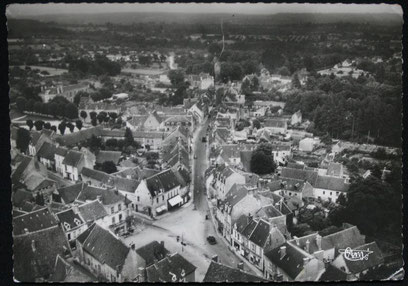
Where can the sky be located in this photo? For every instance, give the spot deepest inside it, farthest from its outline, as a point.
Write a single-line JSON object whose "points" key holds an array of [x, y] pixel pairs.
{"points": [[237, 8]]}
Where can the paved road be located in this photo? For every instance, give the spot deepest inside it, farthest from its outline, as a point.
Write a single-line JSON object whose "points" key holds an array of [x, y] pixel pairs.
{"points": [[199, 167]]}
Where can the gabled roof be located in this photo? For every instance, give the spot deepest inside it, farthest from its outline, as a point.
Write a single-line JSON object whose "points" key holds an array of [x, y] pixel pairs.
{"points": [[97, 175], [172, 267], [108, 196], [70, 193], [103, 156], [151, 252], [291, 263], [246, 160], [92, 211], [260, 233], [218, 272], [105, 247], [61, 151], [349, 237], [374, 259], [20, 196], [162, 182], [333, 274], [125, 185], [18, 172], [47, 151], [72, 158], [65, 271], [69, 219], [235, 195], [299, 174], [79, 136], [33, 221], [335, 169], [275, 122], [331, 183], [267, 212], [35, 253]]}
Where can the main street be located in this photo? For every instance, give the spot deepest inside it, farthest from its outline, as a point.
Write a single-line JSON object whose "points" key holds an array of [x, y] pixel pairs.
{"points": [[189, 222]]}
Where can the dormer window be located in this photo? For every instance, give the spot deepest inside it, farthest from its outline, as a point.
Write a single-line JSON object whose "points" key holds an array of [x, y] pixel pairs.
{"points": [[77, 221], [67, 226]]}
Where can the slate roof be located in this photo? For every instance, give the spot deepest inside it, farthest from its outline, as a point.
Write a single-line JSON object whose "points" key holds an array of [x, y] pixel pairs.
{"points": [[70, 193], [374, 259], [308, 175], [152, 251], [33, 221], [105, 247], [246, 160], [79, 136], [108, 196], [349, 237], [162, 182], [268, 212], [176, 264], [260, 233], [69, 217], [275, 185], [331, 183], [92, 211], [223, 133], [72, 158], [335, 169], [47, 151], [126, 185], [30, 263], [291, 263], [61, 151], [97, 175], [218, 272], [235, 194], [333, 274], [292, 165], [65, 271], [149, 135], [20, 196], [113, 133], [18, 172], [103, 156]]}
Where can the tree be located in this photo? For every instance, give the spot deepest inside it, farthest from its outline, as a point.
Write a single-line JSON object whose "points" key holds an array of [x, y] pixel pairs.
{"points": [[176, 77], [108, 167], [54, 128], [83, 114], [256, 124], [71, 127], [94, 122], [61, 127], [71, 111], [30, 123], [77, 97], [262, 162], [21, 103], [113, 115], [53, 109], [23, 139], [129, 141], [38, 107], [78, 124], [47, 125], [93, 114], [94, 143], [101, 116], [111, 143], [29, 106], [39, 125]]}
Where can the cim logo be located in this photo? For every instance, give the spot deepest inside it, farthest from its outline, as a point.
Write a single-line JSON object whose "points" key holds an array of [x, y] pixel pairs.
{"points": [[355, 255]]}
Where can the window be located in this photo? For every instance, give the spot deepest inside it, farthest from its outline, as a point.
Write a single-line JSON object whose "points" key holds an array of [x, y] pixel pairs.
{"points": [[112, 210], [138, 198], [119, 207], [120, 217], [113, 220], [157, 200], [337, 193], [331, 193], [69, 236], [252, 247], [163, 198], [324, 192]]}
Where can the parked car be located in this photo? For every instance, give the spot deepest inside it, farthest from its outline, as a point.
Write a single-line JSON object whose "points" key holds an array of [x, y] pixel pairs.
{"points": [[211, 240]]}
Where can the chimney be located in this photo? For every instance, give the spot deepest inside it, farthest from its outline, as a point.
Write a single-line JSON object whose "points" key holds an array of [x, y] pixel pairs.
{"points": [[282, 251], [240, 265], [33, 245], [132, 246], [75, 208], [305, 261], [26, 230], [319, 242], [99, 198], [297, 240], [215, 258], [307, 247]]}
